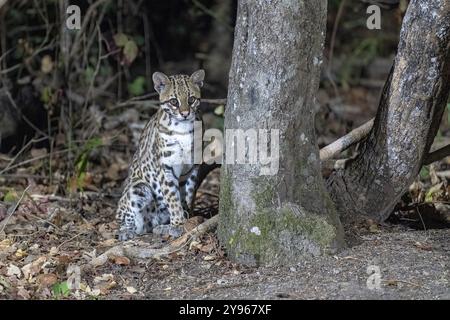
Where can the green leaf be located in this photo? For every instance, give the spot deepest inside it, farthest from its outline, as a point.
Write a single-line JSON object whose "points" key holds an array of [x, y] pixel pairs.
{"points": [[120, 39], [93, 143], [137, 87], [46, 95], [130, 51], [77, 181], [434, 193], [60, 289], [219, 110], [424, 173], [82, 159], [11, 196]]}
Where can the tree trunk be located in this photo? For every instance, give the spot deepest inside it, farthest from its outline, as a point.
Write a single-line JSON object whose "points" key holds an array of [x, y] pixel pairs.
{"points": [[273, 219], [411, 107]]}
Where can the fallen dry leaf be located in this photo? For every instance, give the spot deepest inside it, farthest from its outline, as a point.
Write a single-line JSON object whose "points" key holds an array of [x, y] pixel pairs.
{"points": [[131, 290], [120, 260], [20, 253], [13, 270], [34, 267], [209, 258], [47, 280], [105, 283], [423, 246], [108, 243], [195, 245], [53, 251], [113, 172], [21, 292], [46, 65], [96, 292], [373, 226], [5, 244], [207, 247], [35, 153], [104, 277]]}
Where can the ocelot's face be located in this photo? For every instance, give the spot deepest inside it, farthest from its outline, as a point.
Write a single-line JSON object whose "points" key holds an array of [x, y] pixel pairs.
{"points": [[179, 95]]}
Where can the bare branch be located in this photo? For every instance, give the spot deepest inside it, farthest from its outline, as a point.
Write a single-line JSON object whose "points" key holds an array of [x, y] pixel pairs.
{"points": [[343, 143], [215, 101], [437, 155]]}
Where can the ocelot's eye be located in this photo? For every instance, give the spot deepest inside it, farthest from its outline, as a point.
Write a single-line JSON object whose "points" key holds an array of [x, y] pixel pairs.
{"points": [[174, 102], [191, 100]]}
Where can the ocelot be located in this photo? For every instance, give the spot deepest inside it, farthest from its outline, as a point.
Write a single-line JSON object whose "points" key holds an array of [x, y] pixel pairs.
{"points": [[162, 177]]}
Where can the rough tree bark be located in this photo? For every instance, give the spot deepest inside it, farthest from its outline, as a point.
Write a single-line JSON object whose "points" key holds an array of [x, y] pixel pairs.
{"points": [[411, 107], [273, 80]]}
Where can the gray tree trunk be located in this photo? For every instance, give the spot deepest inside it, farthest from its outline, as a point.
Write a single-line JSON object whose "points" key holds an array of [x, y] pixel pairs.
{"points": [[408, 118], [273, 80]]}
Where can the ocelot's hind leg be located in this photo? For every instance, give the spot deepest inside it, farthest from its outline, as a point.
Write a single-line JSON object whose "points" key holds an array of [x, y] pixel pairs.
{"points": [[132, 211]]}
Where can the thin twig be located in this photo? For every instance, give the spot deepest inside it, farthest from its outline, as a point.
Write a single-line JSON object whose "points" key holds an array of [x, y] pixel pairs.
{"points": [[406, 282], [50, 197], [32, 160], [212, 14], [5, 222], [21, 151], [332, 43], [86, 19], [67, 241], [13, 103], [421, 219], [137, 100]]}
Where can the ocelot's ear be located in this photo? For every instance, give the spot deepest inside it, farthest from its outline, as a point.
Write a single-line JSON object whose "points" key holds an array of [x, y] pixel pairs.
{"points": [[160, 81], [197, 77]]}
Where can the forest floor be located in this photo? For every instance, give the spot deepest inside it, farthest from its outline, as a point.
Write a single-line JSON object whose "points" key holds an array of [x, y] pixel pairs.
{"points": [[53, 226], [41, 256]]}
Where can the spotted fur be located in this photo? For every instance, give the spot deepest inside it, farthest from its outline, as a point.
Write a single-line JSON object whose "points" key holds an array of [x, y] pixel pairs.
{"points": [[162, 177]]}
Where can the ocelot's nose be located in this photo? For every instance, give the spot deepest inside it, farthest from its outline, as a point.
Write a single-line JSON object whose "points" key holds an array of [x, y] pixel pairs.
{"points": [[185, 114]]}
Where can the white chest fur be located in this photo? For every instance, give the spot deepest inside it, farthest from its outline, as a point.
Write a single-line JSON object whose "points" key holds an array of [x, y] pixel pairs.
{"points": [[178, 153]]}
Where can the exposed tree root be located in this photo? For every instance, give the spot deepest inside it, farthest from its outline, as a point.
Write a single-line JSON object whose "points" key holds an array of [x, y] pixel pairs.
{"points": [[139, 252]]}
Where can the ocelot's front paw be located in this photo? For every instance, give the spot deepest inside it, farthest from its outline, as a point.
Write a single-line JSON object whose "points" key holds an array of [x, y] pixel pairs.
{"points": [[167, 229]]}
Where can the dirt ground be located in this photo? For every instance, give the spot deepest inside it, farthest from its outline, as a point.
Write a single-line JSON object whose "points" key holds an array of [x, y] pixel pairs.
{"points": [[413, 265]]}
